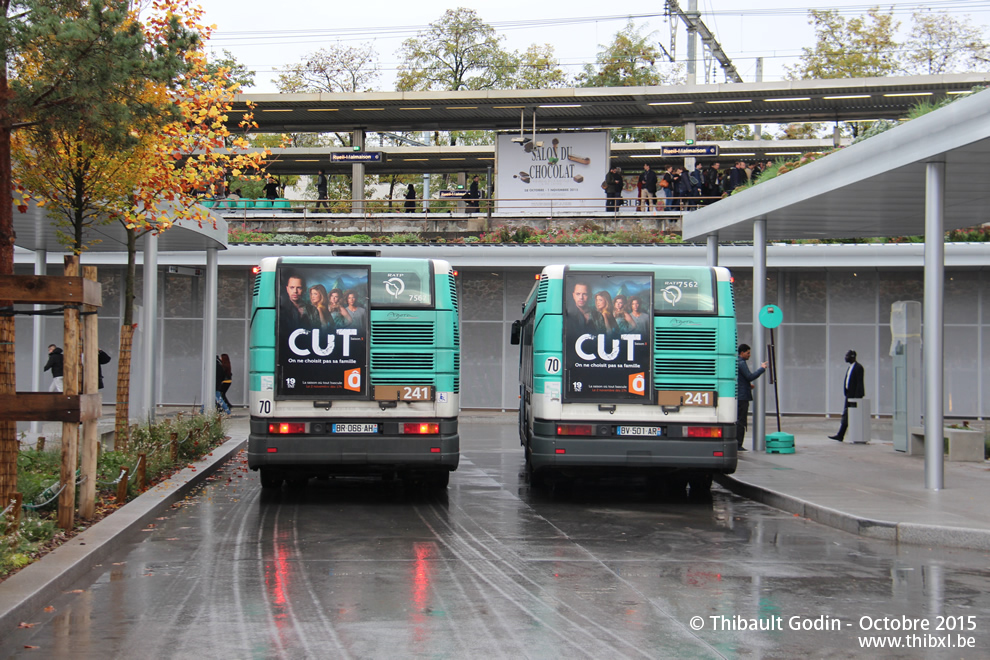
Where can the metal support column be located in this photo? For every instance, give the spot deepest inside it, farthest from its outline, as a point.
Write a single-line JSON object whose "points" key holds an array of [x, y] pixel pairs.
{"points": [[759, 341], [149, 347], [711, 250], [357, 174], [933, 318], [209, 384], [40, 351]]}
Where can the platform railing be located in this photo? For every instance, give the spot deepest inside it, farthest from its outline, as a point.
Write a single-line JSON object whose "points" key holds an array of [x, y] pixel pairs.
{"points": [[546, 207]]}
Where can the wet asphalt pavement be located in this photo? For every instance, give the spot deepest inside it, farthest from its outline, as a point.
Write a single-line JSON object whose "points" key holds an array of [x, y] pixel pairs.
{"points": [[354, 568]]}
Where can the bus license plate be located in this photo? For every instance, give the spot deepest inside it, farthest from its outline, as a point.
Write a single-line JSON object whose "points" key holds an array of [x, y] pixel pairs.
{"points": [[355, 428], [640, 430]]}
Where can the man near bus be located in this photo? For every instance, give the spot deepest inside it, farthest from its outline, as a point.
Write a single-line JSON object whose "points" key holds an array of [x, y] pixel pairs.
{"points": [[744, 391]]}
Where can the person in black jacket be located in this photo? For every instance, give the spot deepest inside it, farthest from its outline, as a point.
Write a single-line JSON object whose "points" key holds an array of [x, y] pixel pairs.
{"points": [[474, 196], [411, 199], [853, 388], [613, 190], [55, 362], [104, 358], [648, 179]]}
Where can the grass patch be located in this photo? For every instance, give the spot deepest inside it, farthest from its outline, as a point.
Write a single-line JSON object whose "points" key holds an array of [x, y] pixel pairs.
{"points": [[38, 482]]}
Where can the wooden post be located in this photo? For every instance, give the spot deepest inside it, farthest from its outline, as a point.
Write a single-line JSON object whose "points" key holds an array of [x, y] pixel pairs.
{"points": [[142, 473], [174, 438], [122, 487], [70, 385], [91, 382], [40, 445]]}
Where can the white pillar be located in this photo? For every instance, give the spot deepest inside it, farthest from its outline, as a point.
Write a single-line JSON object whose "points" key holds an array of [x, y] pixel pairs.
{"points": [[40, 350], [209, 385], [933, 317], [357, 175], [711, 250], [149, 346], [759, 340]]}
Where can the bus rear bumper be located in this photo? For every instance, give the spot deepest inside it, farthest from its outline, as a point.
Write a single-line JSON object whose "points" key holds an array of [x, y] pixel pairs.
{"points": [[355, 454], [644, 455]]}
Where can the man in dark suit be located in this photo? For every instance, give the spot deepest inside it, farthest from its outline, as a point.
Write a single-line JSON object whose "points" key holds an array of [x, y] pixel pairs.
{"points": [[853, 388]]}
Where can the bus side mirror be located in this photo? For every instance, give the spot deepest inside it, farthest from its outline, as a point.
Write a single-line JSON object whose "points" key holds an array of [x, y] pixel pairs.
{"points": [[516, 333]]}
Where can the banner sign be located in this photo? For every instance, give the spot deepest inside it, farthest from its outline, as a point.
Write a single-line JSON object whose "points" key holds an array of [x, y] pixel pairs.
{"points": [[696, 150], [564, 170], [608, 337], [356, 157], [322, 344]]}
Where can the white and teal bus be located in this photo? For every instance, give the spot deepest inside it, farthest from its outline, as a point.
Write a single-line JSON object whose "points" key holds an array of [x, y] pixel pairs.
{"points": [[629, 369], [354, 369]]}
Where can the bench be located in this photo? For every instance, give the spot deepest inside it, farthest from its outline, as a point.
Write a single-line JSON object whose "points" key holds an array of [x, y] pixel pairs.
{"points": [[965, 445]]}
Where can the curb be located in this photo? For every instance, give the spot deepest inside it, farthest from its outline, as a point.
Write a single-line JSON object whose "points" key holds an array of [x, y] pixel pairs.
{"points": [[36, 585], [904, 532]]}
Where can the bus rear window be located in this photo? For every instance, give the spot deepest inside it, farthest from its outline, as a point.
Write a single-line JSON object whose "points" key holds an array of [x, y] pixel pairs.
{"points": [[407, 285], [692, 293]]}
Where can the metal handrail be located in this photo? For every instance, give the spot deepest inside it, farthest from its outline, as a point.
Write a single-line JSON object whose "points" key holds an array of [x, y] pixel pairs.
{"points": [[551, 207]]}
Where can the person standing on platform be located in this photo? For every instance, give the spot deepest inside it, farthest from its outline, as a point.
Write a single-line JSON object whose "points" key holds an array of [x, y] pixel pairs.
{"points": [[648, 186], [744, 391], [852, 388], [321, 190], [410, 204]]}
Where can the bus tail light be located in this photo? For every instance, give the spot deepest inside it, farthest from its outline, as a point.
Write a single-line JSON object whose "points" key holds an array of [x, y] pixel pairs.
{"points": [[575, 429], [703, 431], [287, 427], [421, 428]]}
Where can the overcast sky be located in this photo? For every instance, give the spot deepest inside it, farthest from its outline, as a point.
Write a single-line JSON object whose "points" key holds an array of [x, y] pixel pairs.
{"points": [[268, 35]]}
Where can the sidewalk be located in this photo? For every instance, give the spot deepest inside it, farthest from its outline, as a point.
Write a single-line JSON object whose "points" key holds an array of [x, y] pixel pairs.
{"points": [[867, 489]]}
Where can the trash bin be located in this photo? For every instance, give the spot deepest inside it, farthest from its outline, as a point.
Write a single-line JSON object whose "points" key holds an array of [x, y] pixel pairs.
{"points": [[859, 421]]}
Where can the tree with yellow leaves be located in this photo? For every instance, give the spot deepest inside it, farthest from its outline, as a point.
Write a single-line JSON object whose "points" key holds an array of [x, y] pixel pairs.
{"points": [[154, 182]]}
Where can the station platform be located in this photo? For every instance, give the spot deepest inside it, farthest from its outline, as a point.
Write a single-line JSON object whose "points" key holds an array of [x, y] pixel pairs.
{"points": [[867, 489]]}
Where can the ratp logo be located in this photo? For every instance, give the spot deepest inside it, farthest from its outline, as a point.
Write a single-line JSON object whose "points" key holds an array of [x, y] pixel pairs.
{"points": [[394, 286], [672, 294]]}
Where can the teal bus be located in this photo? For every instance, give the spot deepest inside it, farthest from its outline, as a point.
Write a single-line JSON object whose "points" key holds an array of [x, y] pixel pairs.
{"points": [[629, 369], [354, 369]]}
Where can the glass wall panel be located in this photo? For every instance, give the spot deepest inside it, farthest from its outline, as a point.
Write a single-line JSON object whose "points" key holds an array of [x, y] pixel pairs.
{"points": [[852, 296], [962, 371], [182, 295], [233, 293], [803, 296], [481, 364], [801, 369], [962, 296], [111, 281], [182, 365], [899, 284], [482, 296], [742, 288]]}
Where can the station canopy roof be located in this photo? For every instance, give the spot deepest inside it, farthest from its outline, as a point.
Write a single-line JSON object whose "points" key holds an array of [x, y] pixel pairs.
{"points": [[35, 230], [856, 99], [877, 187], [446, 159]]}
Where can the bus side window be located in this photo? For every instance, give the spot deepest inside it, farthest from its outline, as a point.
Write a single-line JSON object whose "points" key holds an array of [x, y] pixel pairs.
{"points": [[516, 333]]}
